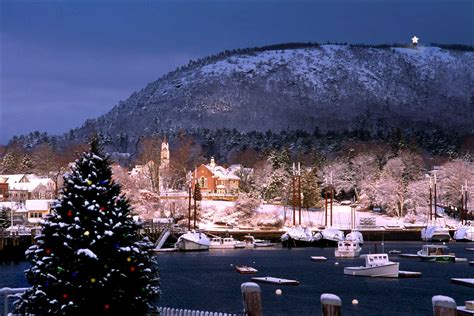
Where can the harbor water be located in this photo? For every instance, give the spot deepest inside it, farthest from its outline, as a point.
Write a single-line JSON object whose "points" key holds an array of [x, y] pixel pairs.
{"points": [[208, 280]]}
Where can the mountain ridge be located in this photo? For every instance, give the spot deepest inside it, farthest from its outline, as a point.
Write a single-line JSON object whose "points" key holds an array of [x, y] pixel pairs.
{"points": [[303, 86]]}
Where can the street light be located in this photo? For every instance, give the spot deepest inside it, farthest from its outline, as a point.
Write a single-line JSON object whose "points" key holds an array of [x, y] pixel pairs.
{"points": [[414, 40]]}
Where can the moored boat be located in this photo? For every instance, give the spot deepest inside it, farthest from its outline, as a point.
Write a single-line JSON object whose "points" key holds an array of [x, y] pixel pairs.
{"points": [[435, 233], [193, 241], [376, 265], [328, 237], [225, 243], [347, 249], [246, 270], [298, 237], [464, 233], [436, 253]]}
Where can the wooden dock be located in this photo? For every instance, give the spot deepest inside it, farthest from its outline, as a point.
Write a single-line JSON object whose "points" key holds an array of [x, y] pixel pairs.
{"points": [[461, 281]]}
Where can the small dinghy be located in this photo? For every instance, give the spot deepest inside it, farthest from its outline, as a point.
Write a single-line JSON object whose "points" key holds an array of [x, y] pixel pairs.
{"points": [[246, 270], [394, 252], [273, 280], [436, 253], [319, 258]]}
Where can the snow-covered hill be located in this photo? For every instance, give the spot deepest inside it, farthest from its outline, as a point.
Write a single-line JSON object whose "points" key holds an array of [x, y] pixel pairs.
{"points": [[328, 87]]}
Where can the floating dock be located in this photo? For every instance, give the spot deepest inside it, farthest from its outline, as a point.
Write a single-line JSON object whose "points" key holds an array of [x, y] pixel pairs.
{"points": [[278, 281], [245, 270], [409, 274], [319, 258], [465, 282], [408, 255]]}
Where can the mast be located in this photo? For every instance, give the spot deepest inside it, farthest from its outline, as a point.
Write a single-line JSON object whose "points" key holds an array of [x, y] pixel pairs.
{"points": [[462, 205], [431, 200], [294, 195], [194, 197], [326, 206], [189, 200], [435, 197], [299, 193], [332, 197]]}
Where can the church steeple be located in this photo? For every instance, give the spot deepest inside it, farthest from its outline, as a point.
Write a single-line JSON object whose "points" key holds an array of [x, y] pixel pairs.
{"points": [[165, 153]]}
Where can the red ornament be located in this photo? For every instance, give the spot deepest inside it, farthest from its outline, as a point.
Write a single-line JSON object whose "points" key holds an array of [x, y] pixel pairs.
{"points": [[65, 296], [106, 306], [69, 213], [48, 251], [103, 208], [132, 269]]}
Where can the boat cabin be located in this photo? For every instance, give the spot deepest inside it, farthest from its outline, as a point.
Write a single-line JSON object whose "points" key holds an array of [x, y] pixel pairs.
{"points": [[347, 245], [435, 250], [375, 260]]}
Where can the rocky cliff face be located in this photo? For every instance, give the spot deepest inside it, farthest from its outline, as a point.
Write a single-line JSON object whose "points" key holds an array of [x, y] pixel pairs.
{"points": [[326, 87]]}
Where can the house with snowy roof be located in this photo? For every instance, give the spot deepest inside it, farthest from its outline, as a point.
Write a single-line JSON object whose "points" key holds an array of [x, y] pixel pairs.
{"points": [[213, 178], [21, 187]]}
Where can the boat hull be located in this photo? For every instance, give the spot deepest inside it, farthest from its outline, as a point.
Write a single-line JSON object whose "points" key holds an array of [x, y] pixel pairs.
{"points": [[441, 258], [347, 253], [290, 243], [388, 271], [187, 245]]}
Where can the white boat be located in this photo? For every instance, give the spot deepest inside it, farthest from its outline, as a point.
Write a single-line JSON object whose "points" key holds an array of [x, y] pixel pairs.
{"points": [[435, 233], [347, 249], [251, 242], [464, 233], [355, 236], [328, 237], [225, 243], [298, 237], [376, 265], [193, 241], [436, 253]]}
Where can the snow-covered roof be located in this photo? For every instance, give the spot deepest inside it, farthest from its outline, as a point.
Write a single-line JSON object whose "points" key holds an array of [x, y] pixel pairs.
{"points": [[13, 178], [222, 173], [38, 205], [32, 184]]}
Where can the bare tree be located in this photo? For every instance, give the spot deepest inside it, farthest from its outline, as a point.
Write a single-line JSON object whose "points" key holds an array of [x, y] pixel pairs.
{"points": [[150, 158]]}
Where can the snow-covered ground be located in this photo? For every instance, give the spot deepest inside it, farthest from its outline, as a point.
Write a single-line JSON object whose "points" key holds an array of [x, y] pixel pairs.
{"points": [[341, 216]]}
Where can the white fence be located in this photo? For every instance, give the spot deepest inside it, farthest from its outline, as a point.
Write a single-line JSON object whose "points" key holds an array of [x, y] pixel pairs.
{"points": [[166, 311]]}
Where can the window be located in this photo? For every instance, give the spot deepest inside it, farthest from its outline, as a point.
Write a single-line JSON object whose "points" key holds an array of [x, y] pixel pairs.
{"points": [[203, 182]]}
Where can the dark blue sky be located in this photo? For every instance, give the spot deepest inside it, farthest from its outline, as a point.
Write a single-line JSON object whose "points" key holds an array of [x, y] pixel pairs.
{"points": [[65, 61]]}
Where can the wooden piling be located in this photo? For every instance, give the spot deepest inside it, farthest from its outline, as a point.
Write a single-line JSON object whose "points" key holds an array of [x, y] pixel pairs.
{"points": [[331, 305], [444, 306], [251, 295]]}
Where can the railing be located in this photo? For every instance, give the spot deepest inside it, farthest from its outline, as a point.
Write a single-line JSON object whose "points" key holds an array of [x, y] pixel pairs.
{"points": [[10, 293], [166, 311]]}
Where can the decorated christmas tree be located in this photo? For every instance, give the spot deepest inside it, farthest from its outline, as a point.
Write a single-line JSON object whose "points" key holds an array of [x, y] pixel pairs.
{"points": [[89, 258]]}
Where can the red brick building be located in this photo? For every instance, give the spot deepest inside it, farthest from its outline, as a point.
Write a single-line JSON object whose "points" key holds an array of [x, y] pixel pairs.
{"points": [[217, 179]]}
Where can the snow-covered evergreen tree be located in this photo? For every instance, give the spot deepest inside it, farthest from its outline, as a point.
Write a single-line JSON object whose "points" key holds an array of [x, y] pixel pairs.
{"points": [[89, 259], [5, 217]]}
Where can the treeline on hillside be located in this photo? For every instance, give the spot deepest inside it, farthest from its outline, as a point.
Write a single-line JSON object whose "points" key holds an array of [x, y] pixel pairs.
{"points": [[225, 143]]}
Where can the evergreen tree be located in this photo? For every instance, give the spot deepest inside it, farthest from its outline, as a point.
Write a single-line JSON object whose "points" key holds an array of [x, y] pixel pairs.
{"points": [[5, 217], [26, 164], [89, 259], [197, 196], [310, 189]]}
